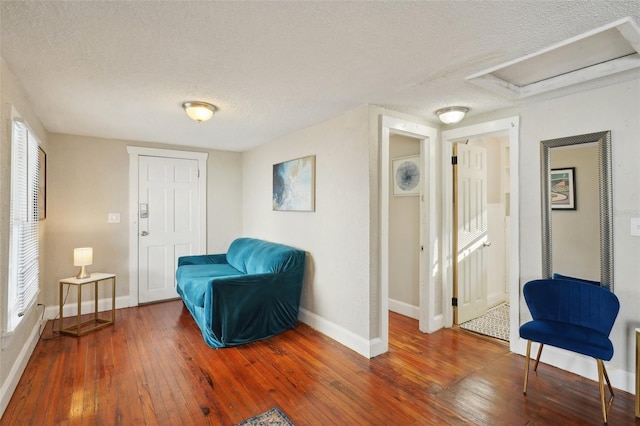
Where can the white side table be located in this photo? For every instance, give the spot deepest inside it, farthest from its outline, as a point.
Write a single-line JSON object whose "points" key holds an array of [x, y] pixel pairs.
{"points": [[93, 323]]}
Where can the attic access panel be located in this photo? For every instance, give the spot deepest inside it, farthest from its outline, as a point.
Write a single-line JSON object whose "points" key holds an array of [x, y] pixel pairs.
{"points": [[607, 50]]}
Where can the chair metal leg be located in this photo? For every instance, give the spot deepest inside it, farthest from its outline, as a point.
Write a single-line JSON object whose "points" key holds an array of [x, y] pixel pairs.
{"points": [[535, 367], [606, 376], [601, 374], [526, 366]]}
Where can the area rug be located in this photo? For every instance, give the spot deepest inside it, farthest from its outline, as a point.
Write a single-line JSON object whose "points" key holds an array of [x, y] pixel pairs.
{"points": [[494, 323], [273, 417]]}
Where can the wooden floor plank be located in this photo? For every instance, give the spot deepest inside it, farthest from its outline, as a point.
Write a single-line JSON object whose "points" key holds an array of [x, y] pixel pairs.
{"points": [[153, 367]]}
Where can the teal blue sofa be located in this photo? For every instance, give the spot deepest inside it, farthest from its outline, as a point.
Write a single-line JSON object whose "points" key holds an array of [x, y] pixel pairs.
{"points": [[249, 293]]}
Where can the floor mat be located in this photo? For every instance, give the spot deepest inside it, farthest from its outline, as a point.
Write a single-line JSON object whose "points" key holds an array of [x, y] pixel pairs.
{"points": [[494, 323], [273, 417]]}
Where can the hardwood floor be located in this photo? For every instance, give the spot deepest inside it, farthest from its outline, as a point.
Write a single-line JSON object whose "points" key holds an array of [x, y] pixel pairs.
{"points": [[153, 367]]}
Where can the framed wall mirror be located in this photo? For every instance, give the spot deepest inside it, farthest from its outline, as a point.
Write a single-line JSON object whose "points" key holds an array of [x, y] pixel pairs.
{"points": [[577, 241]]}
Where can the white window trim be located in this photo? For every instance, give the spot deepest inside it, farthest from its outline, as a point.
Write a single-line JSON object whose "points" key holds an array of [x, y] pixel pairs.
{"points": [[16, 307]]}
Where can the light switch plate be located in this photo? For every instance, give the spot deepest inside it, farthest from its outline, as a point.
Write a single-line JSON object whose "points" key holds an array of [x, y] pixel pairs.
{"points": [[635, 226], [113, 218]]}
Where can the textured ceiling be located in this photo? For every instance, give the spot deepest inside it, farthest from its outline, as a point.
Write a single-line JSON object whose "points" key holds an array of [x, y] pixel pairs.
{"points": [[121, 69]]}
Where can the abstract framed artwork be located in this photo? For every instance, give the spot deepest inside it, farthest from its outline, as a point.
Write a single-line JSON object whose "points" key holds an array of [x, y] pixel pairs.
{"points": [[294, 185], [406, 175], [563, 189]]}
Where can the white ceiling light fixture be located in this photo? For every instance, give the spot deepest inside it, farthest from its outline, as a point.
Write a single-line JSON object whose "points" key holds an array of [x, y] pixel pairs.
{"points": [[452, 115], [199, 111]]}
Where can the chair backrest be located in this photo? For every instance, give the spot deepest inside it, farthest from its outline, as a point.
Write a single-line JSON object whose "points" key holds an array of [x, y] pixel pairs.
{"points": [[572, 302], [557, 276]]}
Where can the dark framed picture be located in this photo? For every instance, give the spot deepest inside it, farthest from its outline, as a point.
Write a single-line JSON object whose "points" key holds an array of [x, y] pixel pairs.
{"points": [[563, 188], [42, 184]]}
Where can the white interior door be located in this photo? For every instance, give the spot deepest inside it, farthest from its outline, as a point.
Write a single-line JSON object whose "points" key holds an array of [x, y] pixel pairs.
{"points": [[472, 231], [168, 222]]}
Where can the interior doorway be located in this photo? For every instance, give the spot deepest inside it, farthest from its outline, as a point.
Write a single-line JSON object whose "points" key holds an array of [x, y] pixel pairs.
{"points": [[481, 229], [430, 313], [404, 230], [509, 127]]}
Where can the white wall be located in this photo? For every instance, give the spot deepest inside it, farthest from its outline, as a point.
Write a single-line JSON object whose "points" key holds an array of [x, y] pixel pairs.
{"points": [[404, 237]]}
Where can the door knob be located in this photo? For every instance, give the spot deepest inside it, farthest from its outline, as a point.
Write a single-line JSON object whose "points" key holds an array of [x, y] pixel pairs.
{"points": [[486, 244], [144, 233]]}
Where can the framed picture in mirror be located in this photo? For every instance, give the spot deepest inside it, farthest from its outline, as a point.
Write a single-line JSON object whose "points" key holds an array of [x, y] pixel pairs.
{"points": [[563, 188]]}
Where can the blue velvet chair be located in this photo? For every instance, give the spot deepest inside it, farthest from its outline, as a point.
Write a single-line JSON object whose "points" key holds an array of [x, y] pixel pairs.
{"points": [[571, 315]]}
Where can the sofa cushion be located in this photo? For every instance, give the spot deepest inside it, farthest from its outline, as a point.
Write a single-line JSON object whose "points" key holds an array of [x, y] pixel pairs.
{"points": [[193, 279], [253, 256], [206, 270], [583, 340]]}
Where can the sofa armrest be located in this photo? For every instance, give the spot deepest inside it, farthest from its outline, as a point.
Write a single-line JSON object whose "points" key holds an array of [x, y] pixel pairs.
{"points": [[243, 308], [202, 259]]}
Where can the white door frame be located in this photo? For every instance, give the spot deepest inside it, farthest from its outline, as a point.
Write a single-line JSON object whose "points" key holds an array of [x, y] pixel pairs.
{"points": [[428, 138], [449, 137], [134, 153]]}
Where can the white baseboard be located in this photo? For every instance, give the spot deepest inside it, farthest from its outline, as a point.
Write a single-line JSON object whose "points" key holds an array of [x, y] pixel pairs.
{"points": [[405, 309], [364, 347], [581, 365], [87, 307], [437, 324], [11, 382]]}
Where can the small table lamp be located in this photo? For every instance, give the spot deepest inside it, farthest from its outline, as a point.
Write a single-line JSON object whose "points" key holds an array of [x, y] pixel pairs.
{"points": [[83, 257]]}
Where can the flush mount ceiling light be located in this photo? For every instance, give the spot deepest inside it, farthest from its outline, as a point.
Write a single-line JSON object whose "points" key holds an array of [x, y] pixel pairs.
{"points": [[602, 52], [199, 111], [451, 115]]}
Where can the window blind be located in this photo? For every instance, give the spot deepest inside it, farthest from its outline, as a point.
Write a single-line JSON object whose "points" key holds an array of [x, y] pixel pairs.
{"points": [[24, 247]]}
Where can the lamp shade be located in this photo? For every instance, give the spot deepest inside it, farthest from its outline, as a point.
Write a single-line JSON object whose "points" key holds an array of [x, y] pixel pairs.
{"points": [[451, 115], [82, 256], [199, 111]]}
